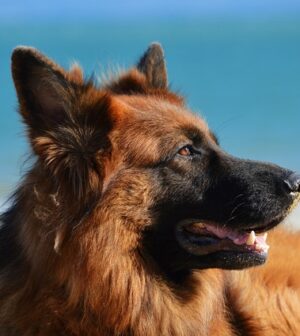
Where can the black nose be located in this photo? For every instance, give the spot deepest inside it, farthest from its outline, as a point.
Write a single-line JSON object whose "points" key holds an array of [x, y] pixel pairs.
{"points": [[293, 182]]}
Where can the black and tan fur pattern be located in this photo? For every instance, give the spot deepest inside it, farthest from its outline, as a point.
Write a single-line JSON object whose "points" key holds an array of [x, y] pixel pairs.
{"points": [[88, 246]]}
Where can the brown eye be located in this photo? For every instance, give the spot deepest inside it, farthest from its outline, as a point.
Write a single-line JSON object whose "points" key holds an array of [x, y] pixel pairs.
{"points": [[186, 151]]}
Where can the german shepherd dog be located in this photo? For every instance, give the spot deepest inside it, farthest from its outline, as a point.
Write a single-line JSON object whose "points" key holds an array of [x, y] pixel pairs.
{"points": [[133, 220]]}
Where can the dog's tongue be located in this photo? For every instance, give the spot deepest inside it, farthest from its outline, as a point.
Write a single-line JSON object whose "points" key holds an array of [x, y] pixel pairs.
{"points": [[250, 240]]}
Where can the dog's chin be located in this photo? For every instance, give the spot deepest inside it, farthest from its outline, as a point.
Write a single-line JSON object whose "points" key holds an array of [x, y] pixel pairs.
{"points": [[231, 260]]}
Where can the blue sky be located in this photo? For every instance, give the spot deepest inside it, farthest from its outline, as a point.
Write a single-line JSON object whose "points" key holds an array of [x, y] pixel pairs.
{"points": [[11, 10]]}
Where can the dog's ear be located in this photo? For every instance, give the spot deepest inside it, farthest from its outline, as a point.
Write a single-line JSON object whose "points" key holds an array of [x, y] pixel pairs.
{"points": [[68, 121], [152, 64], [44, 93], [149, 75]]}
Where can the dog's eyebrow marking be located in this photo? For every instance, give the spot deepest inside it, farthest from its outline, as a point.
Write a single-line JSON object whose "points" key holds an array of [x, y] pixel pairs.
{"points": [[195, 135], [198, 137]]}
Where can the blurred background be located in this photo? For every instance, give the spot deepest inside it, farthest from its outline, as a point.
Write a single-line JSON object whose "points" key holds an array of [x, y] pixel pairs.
{"points": [[236, 62]]}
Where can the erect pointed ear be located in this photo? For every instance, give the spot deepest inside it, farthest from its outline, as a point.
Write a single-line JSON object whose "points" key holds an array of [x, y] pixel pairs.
{"points": [[44, 93], [68, 122], [153, 66]]}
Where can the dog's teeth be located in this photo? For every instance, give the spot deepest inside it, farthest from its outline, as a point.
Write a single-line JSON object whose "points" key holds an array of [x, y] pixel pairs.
{"points": [[265, 235], [251, 238]]}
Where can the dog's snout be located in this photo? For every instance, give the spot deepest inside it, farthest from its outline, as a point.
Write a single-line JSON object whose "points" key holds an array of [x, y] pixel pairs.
{"points": [[293, 182]]}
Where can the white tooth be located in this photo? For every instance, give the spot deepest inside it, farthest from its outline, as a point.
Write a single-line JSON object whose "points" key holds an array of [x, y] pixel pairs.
{"points": [[265, 235], [251, 238]]}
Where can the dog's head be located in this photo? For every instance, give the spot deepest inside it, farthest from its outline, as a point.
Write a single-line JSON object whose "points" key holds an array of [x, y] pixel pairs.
{"points": [[131, 154]]}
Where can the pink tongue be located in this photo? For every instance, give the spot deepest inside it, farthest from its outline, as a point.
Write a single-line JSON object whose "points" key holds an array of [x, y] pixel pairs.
{"points": [[253, 242]]}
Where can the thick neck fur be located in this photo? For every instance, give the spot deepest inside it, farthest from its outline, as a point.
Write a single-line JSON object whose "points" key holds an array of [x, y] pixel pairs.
{"points": [[107, 274]]}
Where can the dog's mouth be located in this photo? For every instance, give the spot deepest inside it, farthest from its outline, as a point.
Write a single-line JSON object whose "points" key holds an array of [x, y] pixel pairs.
{"points": [[206, 237], [202, 243], [218, 245]]}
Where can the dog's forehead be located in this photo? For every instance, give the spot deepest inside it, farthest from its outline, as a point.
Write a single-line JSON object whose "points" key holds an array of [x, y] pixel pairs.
{"points": [[162, 113]]}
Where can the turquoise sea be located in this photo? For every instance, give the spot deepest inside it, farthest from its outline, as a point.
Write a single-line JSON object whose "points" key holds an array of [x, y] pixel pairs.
{"points": [[242, 75]]}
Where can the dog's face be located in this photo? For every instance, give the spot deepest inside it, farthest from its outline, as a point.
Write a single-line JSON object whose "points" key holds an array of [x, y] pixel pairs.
{"points": [[198, 206], [210, 209]]}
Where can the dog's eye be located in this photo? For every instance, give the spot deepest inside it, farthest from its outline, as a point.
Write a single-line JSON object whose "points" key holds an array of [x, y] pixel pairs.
{"points": [[187, 150]]}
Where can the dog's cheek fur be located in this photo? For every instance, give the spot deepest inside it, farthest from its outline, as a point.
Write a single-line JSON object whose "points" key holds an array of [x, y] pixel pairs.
{"points": [[114, 228]]}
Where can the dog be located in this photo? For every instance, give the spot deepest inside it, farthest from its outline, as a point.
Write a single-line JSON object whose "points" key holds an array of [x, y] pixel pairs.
{"points": [[134, 221]]}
